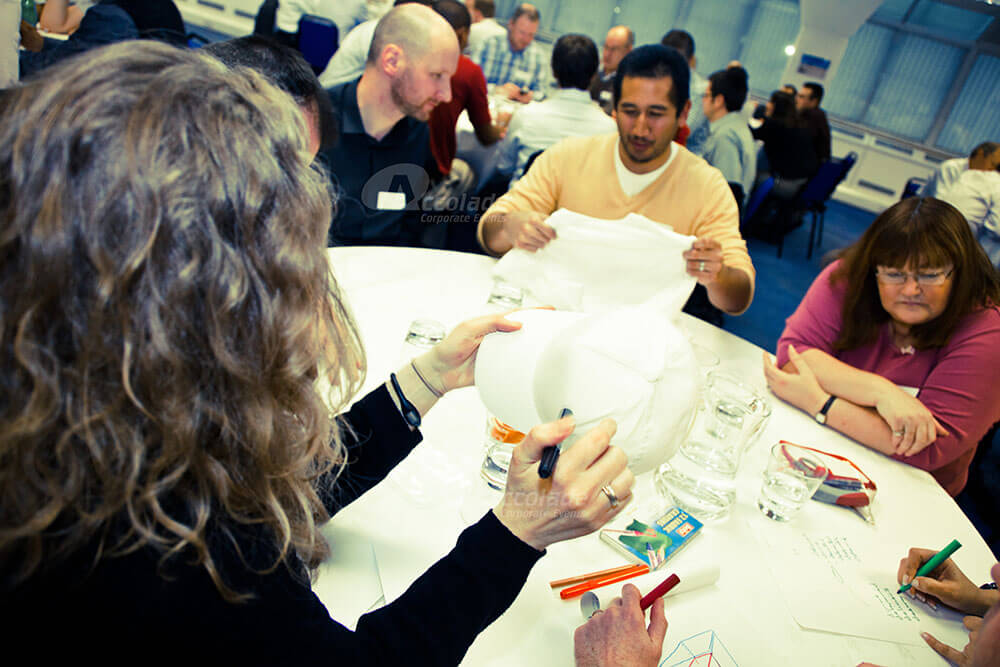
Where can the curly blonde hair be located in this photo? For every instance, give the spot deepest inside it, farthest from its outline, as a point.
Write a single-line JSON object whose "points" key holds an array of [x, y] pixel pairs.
{"points": [[166, 306]]}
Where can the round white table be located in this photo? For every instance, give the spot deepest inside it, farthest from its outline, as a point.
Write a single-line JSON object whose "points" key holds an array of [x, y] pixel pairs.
{"points": [[744, 612]]}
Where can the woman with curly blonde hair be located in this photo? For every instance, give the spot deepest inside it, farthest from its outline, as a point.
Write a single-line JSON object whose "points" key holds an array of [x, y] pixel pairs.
{"points": [[166, 314]]}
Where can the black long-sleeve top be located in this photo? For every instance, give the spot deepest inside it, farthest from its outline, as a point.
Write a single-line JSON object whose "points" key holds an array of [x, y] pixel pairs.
{"points": [[790, 151], [126, 611]]}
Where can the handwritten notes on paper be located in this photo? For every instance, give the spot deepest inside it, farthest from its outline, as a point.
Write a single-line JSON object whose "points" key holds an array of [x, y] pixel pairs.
{"points": [[847, 585]]}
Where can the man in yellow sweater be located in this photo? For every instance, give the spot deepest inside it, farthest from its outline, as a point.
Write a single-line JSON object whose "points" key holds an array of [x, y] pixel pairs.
{"points": [[638, 170]]}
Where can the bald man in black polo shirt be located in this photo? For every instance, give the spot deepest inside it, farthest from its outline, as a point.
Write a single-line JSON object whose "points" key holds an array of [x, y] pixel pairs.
{"points": [[378, 164]]}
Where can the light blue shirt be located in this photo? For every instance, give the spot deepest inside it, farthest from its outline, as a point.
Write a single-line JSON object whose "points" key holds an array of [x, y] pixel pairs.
{"points": [[696, 120], [976, 194], [729, 148], [527, 68]]}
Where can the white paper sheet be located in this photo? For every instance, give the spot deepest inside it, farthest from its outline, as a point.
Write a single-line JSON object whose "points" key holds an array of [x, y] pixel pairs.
{"points": [[594, 265], [847, 585]]}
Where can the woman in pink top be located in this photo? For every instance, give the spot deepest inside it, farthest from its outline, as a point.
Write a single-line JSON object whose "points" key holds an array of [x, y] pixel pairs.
{"points": [[897, 344]]}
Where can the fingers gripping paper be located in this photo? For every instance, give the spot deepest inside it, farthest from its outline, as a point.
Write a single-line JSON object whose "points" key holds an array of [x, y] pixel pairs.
{"points": [[594, 265], [631, 364]]}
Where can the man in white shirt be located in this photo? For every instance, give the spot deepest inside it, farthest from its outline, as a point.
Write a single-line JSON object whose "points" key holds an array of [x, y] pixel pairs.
{"points": [[976, 194], [569, 112], [985, 157], [348, 62], [10, 39], [484, 25]]}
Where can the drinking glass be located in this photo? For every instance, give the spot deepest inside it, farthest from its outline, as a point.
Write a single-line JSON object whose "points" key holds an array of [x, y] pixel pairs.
{"points": [[701, 477], [500, 442], [792, 476], [736, 409], [505, 296]]}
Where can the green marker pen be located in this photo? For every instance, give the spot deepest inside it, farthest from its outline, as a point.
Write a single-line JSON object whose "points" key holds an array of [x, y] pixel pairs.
{"points": [[933, 563]]}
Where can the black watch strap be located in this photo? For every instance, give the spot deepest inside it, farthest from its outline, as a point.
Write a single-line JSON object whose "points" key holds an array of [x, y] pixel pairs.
{"points": [[410, 412], [821, 415]]}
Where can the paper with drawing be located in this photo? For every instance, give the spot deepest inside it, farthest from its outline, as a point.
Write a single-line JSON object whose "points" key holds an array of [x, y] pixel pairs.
{"points": [[847, 585]]}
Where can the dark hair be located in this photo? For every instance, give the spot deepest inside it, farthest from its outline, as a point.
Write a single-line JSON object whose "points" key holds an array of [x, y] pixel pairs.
{"points": [[680, 40], [783, 109], [815, 90], [526, 10], [654, 61], [486, 7], [167, 307], [454, 12], [574, 61], [731, 83], [922, 232], [286, 69], [788, 85], [984, 149]]}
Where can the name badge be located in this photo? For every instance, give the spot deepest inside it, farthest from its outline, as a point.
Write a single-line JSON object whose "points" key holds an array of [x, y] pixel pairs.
{"points": [[390, 201], [912, 391]]}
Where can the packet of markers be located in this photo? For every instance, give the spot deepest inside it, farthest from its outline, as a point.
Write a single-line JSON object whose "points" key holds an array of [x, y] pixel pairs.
{"points": [[647, 545], [845, 485]]}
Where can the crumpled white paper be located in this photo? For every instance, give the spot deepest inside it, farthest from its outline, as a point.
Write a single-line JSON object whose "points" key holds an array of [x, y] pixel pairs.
{"points": [[594, 265]]}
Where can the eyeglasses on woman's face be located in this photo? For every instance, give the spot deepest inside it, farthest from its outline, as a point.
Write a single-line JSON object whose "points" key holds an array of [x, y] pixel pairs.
{"points": [[924, 277]]}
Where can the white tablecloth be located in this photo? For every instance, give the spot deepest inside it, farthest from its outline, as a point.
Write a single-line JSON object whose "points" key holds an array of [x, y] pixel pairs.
{"points": [[389, 287]]}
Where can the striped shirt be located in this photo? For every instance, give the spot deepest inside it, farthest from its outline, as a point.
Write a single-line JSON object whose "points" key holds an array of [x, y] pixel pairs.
{"points": [[527, 68]]}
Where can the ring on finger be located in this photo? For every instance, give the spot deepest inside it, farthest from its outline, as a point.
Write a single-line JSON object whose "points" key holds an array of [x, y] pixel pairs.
{"points": [[701, 266], [610, 493], [899, 433]]}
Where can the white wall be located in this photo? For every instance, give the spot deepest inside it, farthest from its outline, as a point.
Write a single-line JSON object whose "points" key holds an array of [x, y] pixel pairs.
{"points": [[825, 29]]}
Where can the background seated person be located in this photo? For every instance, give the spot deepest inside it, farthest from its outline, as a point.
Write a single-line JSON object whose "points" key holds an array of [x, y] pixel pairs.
{"points": [[484, 25], [569, 112], [513, 62], [976, 194], [453, 177], [984, 157], [639, 170], [912, 304], [61, 16], [190, 508], [729, 146], [807, 101], [948, 585], [617, 44], [788, 148]]}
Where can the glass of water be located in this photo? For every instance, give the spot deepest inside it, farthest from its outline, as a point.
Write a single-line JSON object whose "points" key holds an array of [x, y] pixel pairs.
{"points": [[505, 296], [500, 442], [792, 476], [737, 411], [701, 478], [422, 335]]}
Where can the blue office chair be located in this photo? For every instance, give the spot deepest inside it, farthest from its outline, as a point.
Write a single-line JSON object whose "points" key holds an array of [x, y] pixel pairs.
{"points": [[912, 187], [264, 22], [818, 192], [318, 40], [757, 198]]}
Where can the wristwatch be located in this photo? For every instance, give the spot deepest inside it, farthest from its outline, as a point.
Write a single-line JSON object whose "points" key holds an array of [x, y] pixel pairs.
{"points": [[821, 415]]}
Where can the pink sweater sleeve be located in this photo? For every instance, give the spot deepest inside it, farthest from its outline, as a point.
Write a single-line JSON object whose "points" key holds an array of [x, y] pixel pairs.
{"points": [[962, 391], [816, 323]]}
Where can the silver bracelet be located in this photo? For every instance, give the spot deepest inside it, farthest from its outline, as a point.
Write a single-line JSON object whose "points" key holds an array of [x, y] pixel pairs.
{"points": [[437, 394]]}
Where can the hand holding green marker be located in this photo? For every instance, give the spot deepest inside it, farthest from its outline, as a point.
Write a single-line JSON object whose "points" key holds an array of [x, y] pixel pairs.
{"points": [[933, 563]]}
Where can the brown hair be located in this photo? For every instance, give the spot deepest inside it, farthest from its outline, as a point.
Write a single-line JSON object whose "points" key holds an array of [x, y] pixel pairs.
{"points": [[166, 306], [925, 233]]}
